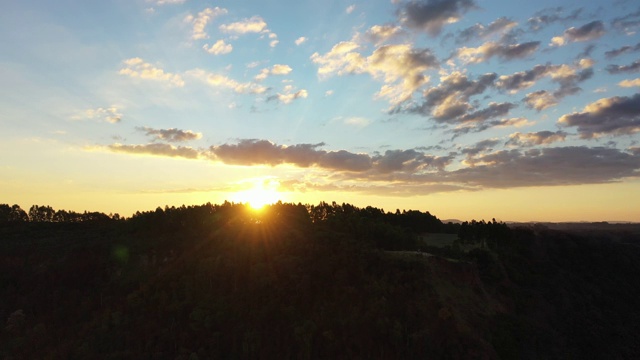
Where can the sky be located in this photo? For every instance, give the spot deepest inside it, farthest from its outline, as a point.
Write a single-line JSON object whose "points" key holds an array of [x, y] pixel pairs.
{"points": [[469, 109]]}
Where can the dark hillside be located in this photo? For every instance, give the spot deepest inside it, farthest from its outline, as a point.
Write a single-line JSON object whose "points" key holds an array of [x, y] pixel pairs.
{"points": [[317, 282]]}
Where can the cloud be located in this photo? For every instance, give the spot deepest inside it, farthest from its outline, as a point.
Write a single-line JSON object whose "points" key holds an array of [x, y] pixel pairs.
{"points": [[479, 31], [586, 32], [288, 95], [262, 152], [341, 59], [219, 48], [450, 98], [111, 115], [513, 122], [350, 9], [568, 77], [301, 40], [201, 20], [218, 80], [167, 2], [493, 110], [254, 24], [432, 15], [408, 161], [622, 50], [547, 167], [379, 34], [628, 23], [277, 69], [137, 68], [617, 69], [618, 115], [630, 83], [170, 135], [156, 149], [550, 16], [537, 138], [355, 121], [480, 147], [540, 100], [491, 49], [400, 67]]}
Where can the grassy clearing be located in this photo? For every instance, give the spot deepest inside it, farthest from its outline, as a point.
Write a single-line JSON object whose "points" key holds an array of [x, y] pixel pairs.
{"points": [[438, 240]]}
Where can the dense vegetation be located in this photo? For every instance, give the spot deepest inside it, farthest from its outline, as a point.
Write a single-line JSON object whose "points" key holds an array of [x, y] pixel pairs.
{"points": [[316, 282]]}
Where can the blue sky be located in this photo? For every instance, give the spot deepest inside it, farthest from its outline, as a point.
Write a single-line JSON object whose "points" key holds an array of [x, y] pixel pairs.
{"points": [[518, 110]]}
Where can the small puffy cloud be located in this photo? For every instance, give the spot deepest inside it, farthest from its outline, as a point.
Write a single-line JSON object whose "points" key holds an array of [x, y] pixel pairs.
{"points": [[535, 138], [254, 24], [630, 83], [277, 69], [341, 59], [479, 31], [328, 93], [350, 9], [218, 80], [301, 40], [280, 69], [586, 32], [379, 34], [138, 68], [356, 121], [201, 20], [540, 100], [557, 41], [219, 48], [288, 95], [432, 15], [622, 50], [618, 115], [156, 149], [274, 40], [111, 115], [617, 69], [170, 135], [491, 49]]}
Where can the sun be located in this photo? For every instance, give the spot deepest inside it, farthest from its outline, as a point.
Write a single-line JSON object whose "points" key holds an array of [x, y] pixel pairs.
{"points": [[262, 193]]}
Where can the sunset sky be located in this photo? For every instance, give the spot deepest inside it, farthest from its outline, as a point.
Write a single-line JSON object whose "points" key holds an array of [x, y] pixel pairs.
{"points": [[519, 110]]}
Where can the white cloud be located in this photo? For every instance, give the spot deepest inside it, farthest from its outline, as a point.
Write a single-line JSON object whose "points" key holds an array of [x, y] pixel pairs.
{"points": [[277, 69], [328, 93], [254, 24], [218, 80], [301, 40], [400, 67], [356, 121], [111, 115], [350, 9], [629, 83], [288, 95], [219, 48], [200, 21], [137, 68]]}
